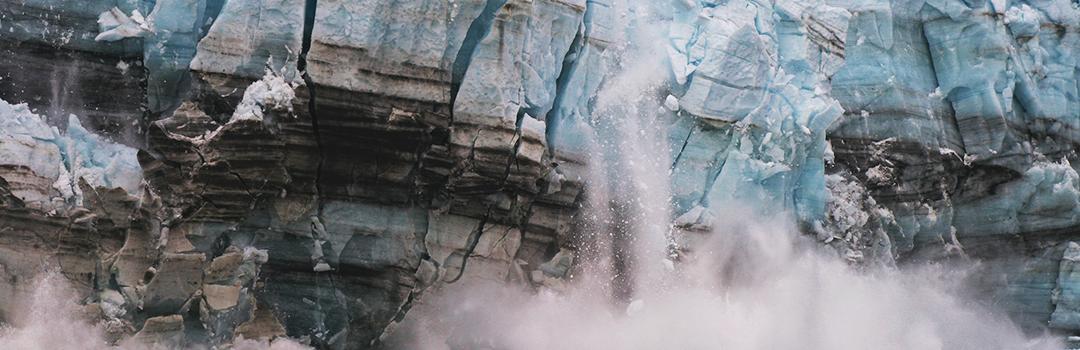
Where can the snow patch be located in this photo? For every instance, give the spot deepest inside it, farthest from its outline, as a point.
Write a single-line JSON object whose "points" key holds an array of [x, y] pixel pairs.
{"points": [[115, 25], [272, 91]]}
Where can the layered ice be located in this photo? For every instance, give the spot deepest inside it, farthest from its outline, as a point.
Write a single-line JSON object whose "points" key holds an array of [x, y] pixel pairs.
{"points": [[178, 26], [890, 130], [510, 77], [47, 166], [362, 46], [172, 30], [115, 25], [947, 121], [100, 162], [753, 77], [250, 36], [73, 25]]}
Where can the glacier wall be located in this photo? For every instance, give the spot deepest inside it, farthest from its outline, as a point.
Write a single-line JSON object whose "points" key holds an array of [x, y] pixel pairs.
{"points": [[311, 168]]}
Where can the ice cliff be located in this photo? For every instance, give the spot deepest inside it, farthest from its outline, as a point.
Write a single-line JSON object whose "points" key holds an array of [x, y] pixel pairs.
{"points": [[267, 168]]}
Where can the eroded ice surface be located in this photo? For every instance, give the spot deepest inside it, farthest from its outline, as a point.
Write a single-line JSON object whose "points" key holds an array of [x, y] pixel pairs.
{"points": [[61, 160], [458, 133]]}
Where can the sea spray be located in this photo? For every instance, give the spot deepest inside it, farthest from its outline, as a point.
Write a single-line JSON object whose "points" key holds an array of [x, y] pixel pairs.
{"points": [[49, 317], [751, 285]]}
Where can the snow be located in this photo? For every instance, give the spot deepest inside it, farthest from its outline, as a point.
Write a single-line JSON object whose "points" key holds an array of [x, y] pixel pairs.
{"points": [[115, 25], [272, 91]]}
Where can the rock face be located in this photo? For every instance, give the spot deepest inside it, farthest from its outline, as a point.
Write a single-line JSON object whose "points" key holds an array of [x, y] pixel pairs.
{"points": [[270, 168]]}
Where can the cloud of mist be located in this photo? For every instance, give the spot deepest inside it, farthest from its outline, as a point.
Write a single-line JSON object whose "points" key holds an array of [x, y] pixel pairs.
{"points": [[49, 317], [750, 286]]}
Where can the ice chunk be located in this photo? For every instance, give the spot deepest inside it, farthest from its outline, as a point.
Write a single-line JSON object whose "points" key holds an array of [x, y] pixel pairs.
{"points": [[1067, 301], [559, 265], [102, 163], [671, 103], [272, 91], [1022, 20], [27, 140], [1047, 197], [388, 58], [507, 73], [60, 160], [115, 25], [764, 98]]}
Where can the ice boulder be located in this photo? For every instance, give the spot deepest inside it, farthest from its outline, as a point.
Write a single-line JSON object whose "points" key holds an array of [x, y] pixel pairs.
{"points": [[45, 167]]}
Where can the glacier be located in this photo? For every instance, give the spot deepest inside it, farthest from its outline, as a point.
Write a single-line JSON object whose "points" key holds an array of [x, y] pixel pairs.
{"points": [[218, 171], [41, 158]]}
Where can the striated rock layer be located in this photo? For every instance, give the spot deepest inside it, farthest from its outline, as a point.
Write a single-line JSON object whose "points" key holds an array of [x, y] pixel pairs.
{"points": [[314, 178], [309, 169]]}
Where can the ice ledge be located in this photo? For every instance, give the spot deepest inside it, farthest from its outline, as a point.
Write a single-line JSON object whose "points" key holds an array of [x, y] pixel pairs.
{"points": [[44, 166]]}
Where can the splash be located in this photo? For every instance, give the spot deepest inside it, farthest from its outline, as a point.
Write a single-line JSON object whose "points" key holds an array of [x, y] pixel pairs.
{"points": [[751, 286], [49, 317]]}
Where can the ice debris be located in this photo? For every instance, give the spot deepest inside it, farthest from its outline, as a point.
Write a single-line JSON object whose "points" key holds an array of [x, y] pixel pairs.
{"points": [[753, 88], [115, 25], [272, 91], [671, 103], [61, 159]]}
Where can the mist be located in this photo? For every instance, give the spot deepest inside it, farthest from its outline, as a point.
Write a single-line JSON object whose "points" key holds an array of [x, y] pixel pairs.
{"points": [[751, 286], [48, 316]]}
